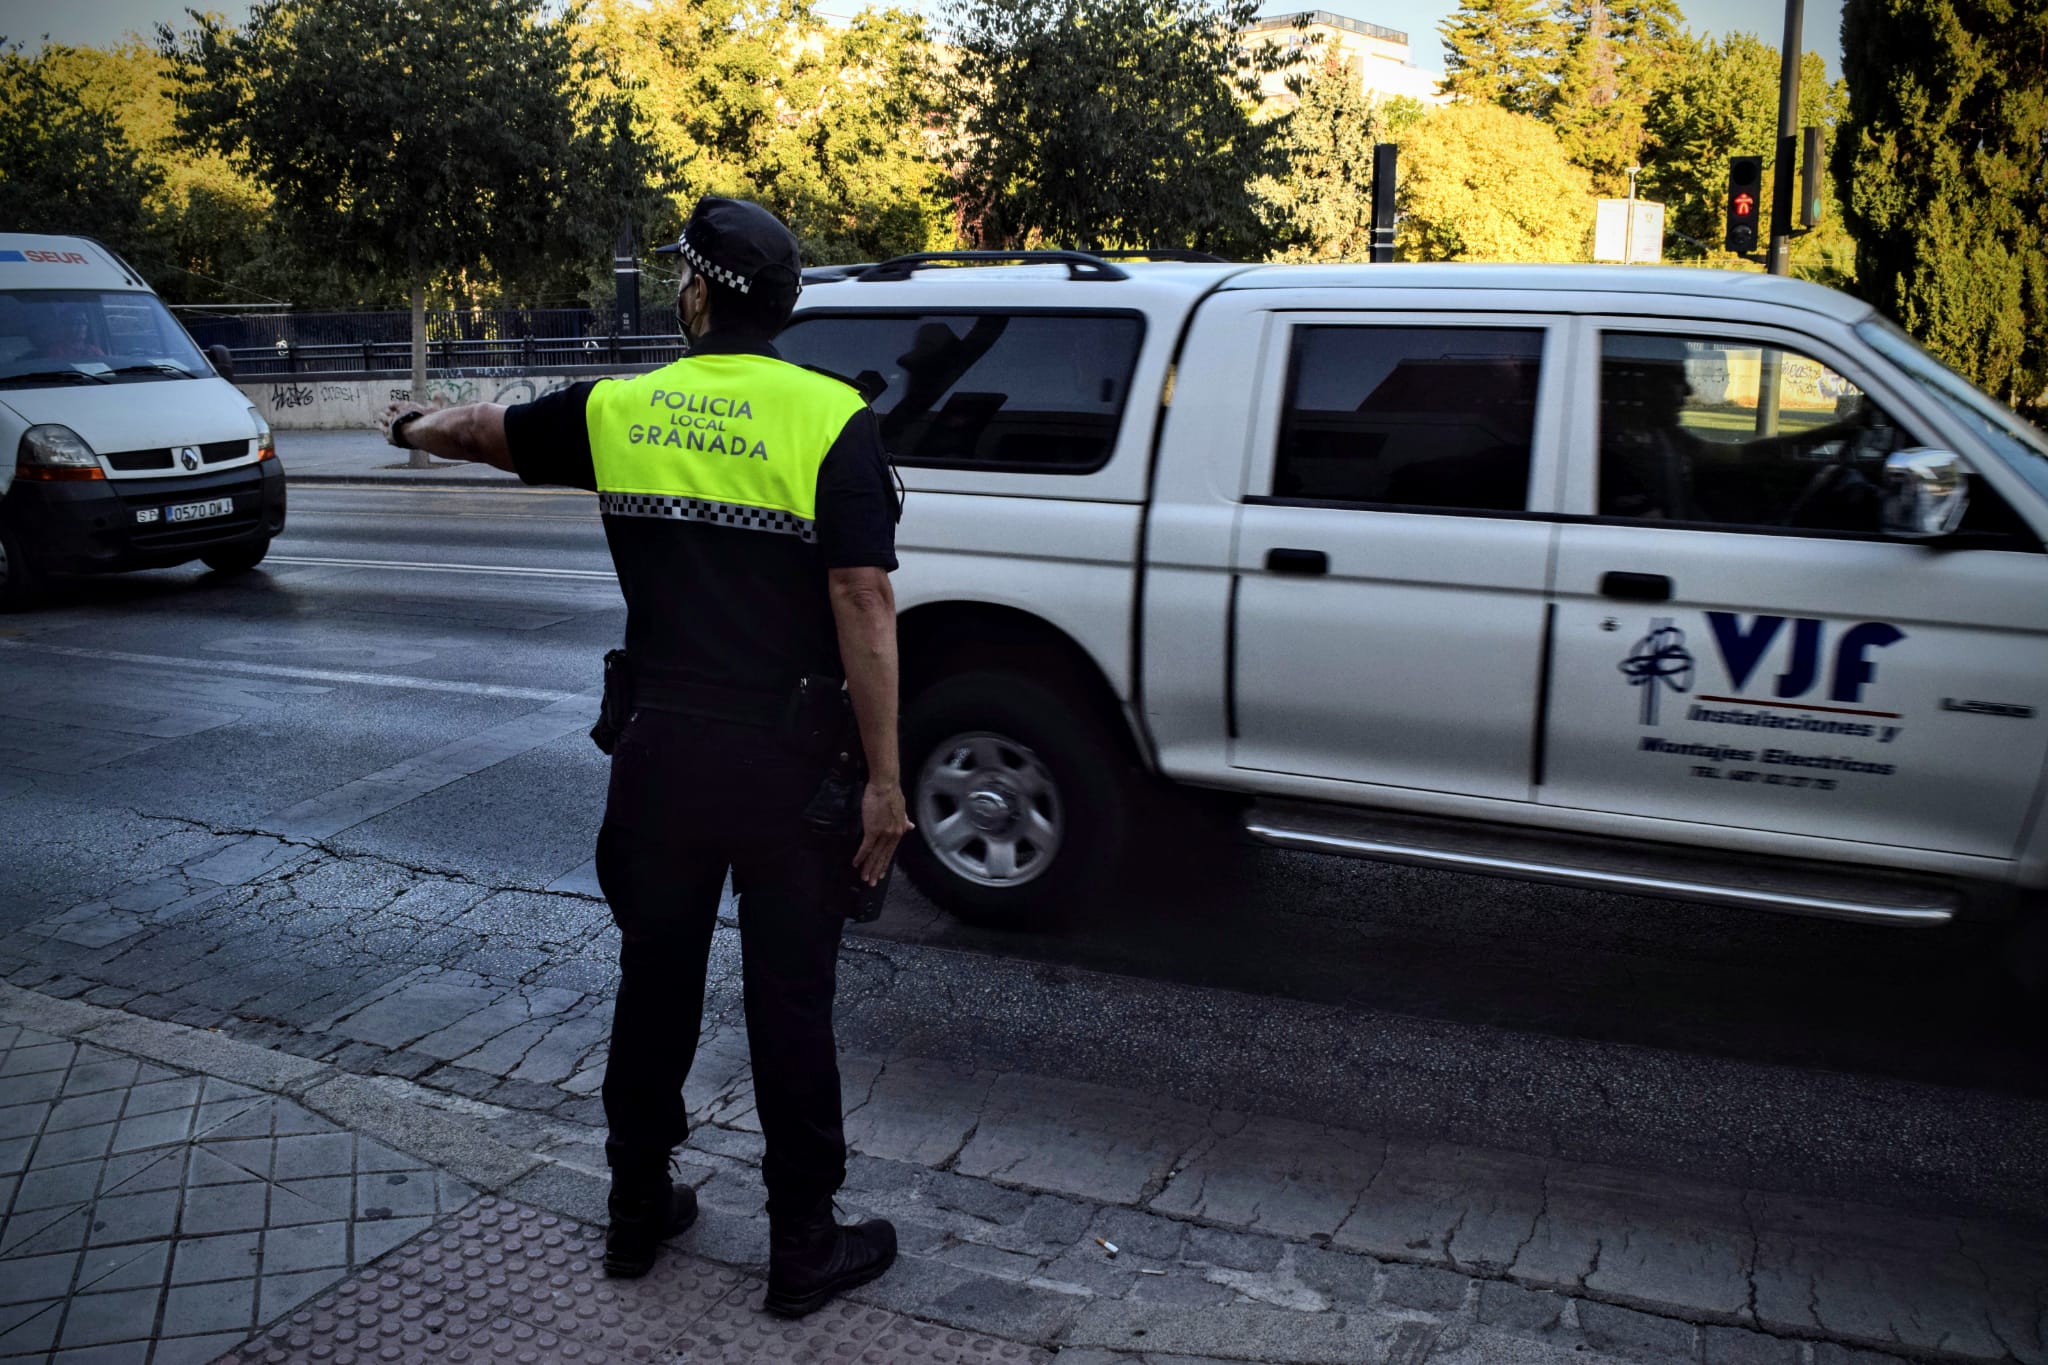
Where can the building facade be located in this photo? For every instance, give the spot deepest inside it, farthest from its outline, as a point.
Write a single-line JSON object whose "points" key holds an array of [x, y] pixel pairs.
{"points": [[1378, 56]]}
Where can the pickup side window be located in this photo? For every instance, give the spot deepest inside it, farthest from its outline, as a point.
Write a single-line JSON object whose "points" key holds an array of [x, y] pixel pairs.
{"points": [[1422, 417], [1726, 431], [1036, 392]]}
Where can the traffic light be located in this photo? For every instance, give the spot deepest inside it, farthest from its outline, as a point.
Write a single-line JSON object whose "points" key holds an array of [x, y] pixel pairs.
{"points": [[1809, 181], [1745, 191]]}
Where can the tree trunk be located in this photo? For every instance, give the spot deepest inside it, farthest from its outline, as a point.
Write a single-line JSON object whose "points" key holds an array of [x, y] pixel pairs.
{"points": [[420, 458]]}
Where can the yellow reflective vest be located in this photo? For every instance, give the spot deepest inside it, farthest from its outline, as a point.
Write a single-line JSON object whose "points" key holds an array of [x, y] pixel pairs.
{"points": [[732, 440]]}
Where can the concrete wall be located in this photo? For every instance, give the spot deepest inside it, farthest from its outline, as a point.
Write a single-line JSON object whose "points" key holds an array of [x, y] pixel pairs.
{"points": [[312, 402]]}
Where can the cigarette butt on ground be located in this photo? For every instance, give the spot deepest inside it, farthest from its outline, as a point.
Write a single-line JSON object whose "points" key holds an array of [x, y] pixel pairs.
{"points": [[1109, 1247], [1151, 1272]]}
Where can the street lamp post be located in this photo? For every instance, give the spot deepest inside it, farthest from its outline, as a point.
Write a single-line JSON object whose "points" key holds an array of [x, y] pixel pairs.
{"points": [[1628, 237]]}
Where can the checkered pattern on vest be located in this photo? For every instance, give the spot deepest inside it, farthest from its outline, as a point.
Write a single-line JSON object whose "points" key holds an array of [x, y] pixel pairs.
{"points": [[705, 510]]}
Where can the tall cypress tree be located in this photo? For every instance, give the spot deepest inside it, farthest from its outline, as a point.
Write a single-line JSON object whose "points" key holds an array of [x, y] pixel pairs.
{"points": [[1614, 57], [1321, 206], [1943, 164], [1501, 52]]}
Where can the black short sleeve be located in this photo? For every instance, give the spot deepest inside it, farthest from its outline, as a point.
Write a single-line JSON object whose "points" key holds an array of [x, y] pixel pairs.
{"points": [[857, 499], [550, 441]]}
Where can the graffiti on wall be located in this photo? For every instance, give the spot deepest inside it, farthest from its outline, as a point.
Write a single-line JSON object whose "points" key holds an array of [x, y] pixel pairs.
{"points": [[286, 396]]}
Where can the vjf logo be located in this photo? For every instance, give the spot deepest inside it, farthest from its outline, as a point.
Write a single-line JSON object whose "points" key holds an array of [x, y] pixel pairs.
{"points": [[1659, 660]]}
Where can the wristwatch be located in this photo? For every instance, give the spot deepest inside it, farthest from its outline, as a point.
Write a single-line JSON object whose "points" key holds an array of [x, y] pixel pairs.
{"points": [[398, 428]]}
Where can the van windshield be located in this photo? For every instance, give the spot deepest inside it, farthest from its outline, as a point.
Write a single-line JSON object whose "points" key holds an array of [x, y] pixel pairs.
{"points": [[85, 336]]}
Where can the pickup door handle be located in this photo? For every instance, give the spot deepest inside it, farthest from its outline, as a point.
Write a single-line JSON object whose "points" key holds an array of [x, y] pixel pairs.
{"points": [[1307, 563], [1636, 587]]}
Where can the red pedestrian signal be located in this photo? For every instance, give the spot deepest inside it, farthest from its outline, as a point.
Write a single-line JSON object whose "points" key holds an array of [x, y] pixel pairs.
{"points": [[1745, 189]]}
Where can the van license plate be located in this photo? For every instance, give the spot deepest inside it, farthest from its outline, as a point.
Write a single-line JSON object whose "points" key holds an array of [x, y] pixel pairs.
{"points": [[199, 511]]}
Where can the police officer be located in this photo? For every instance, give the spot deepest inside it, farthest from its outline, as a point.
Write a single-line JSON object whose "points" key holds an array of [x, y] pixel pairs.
{"points": [[751, 517]]}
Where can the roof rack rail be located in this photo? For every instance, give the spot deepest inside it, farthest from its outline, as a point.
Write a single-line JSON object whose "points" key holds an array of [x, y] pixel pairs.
{"points": [[828, 274], [1161, 253], [1080, 264]]}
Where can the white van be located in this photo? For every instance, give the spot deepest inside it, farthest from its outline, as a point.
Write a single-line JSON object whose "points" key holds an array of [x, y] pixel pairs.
{"points": [[130, 451]]}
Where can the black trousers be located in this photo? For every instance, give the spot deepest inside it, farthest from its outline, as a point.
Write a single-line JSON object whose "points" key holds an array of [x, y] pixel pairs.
{"points": [[689, 799]]}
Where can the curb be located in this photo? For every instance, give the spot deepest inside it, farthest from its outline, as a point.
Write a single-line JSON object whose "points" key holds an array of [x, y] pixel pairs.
{"points": [[428, 478]]}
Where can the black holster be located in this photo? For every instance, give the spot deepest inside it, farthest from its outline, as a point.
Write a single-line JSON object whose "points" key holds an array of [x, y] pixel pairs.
{"points": [[833, 816], [617, 707]]}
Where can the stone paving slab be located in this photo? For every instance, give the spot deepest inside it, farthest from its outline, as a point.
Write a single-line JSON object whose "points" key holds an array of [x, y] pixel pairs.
{"points": [[1006, 1189], [505, 1281], [158, 1215]]}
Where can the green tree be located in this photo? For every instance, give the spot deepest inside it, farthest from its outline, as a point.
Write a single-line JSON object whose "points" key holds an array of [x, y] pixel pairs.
{"points": [[410, 140], [208, 235], [1096, 123], [1479, 183], [1721, 100], [66, 163], [857, 169], [1614, 58], [1501, 52], [1321, 205], [828, 127], [1944, 164]]}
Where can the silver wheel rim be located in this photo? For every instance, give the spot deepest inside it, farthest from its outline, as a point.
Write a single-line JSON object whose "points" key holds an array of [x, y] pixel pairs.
{"points": [[989, 810]]}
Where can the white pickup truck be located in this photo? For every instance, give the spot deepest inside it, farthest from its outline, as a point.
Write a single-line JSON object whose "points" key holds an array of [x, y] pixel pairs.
{"points": [[1688, 583]]}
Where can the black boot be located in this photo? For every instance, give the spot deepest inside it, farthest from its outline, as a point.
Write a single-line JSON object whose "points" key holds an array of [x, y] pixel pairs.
{"points": [[646, 1210], [810, 1259]]}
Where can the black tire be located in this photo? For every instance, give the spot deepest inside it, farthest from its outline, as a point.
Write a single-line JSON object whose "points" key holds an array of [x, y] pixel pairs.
{"points": [[1020, 745], [21, 586], [236, 558]]}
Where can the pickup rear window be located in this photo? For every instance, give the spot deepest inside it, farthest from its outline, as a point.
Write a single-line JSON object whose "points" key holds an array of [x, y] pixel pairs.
{"points": [[1034, 392], [1425, 417]]}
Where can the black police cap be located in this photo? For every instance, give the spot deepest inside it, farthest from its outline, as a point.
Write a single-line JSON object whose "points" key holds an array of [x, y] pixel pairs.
{"points": [[739, 245]]}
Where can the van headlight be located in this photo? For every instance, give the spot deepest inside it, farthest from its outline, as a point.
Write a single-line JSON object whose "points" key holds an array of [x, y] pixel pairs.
{"points": [[266, 444], [55, 452]]}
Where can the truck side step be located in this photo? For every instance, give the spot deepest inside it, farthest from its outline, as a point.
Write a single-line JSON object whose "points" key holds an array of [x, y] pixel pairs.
{"points": [[1628, 867]]}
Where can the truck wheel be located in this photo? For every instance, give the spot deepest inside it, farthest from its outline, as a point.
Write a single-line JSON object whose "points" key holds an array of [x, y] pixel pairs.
{"points": [[1018, 792], [236, 559], [20, 585]]}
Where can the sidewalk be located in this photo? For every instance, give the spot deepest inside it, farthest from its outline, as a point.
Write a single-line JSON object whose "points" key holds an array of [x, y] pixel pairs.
{"points": [[365, 457], [169, 1214], [168, 1184]]}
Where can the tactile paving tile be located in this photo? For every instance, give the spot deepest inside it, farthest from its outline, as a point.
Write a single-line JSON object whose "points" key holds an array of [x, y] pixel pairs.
{"points": [[503, 1282]]}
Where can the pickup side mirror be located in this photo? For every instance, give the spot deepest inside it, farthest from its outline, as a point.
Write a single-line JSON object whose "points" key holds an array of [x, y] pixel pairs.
{"points": [[1926, 493]]}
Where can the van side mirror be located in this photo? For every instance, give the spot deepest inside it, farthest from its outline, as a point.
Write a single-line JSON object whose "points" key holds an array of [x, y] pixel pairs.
{"points": [[1926, 493]]}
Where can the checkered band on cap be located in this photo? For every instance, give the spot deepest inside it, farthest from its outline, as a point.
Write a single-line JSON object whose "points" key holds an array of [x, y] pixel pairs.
{"points": [[703, 265], [712, 513]]}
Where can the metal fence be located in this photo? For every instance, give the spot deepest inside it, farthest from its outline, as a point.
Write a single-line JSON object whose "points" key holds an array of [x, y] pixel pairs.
{"points": [[238, 331], [481, 338], [395, 357]]}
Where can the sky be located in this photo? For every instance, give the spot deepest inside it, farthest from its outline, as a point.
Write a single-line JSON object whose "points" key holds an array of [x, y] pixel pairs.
{"points": [[103, 21]]}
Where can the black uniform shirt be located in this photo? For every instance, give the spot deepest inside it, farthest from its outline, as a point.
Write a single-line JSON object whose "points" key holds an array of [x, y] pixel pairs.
{"points": [[725, 605]]}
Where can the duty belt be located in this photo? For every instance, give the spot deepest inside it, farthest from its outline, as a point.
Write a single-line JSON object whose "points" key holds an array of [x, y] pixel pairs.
{"points": [[737, 705]]}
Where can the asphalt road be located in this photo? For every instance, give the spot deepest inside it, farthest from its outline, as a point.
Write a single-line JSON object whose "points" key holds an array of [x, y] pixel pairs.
{"points": [[149, 713]]}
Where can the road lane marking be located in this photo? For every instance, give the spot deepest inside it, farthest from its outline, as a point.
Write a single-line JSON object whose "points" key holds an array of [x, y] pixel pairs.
{"points": [[513, 570], [392, 488], [328, 675]]}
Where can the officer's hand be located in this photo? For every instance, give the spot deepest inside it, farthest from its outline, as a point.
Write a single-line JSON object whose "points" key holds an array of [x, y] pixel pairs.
{"points": [[397, 410], [883, 823]]}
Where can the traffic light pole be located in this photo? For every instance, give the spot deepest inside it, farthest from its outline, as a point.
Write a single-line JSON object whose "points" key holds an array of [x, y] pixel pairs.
{"points": [[1785, 183]]}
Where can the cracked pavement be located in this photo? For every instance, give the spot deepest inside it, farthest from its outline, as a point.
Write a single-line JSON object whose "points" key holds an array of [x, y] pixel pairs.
{"points": [[1324, 1111]]}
